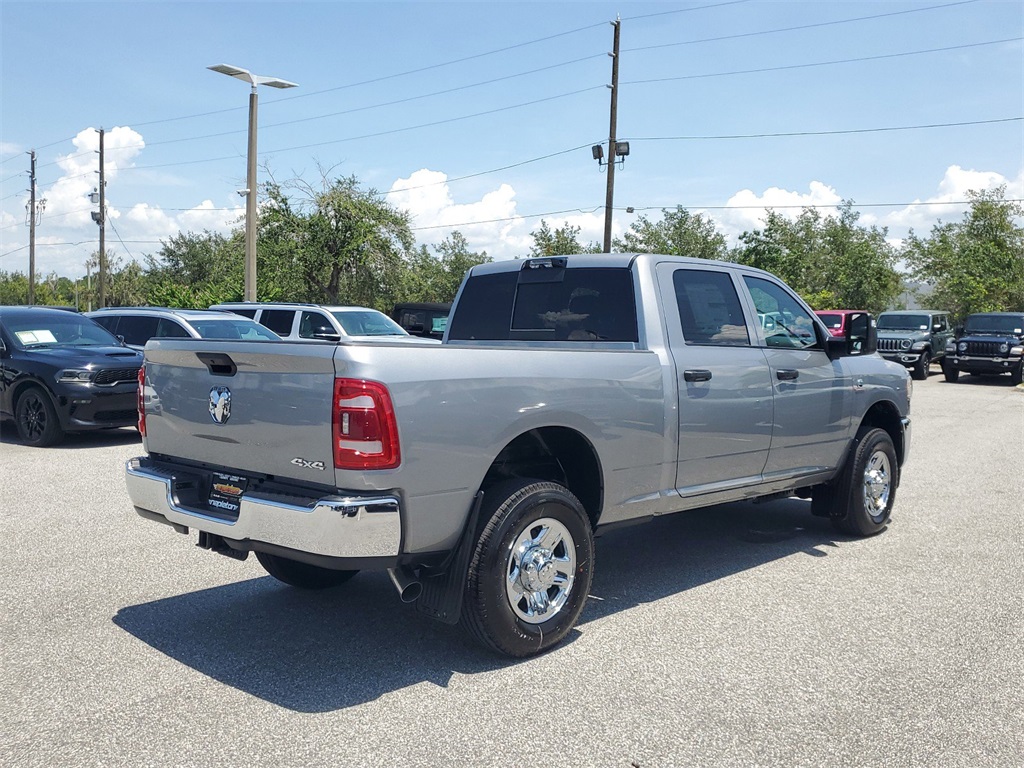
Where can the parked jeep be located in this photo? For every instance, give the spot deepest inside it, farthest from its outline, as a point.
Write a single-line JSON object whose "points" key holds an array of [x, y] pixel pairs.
{"points": [[914, 338], [989, 343]]}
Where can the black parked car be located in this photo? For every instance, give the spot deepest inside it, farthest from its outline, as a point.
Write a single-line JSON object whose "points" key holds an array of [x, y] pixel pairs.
{"points": [[62, 372], [989, 343]]}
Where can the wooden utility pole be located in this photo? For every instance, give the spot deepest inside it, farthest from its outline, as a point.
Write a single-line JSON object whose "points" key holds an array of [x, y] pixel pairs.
{"points": [[102, 220], [610, 195], [32, 215]]}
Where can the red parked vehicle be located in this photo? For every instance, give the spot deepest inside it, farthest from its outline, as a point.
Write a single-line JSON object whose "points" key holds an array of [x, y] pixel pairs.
{"points": [[835, 319]]}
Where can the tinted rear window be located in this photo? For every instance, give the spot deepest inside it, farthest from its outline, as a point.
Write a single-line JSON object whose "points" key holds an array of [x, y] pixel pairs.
{"points": [[278, 320], [590, 304]]}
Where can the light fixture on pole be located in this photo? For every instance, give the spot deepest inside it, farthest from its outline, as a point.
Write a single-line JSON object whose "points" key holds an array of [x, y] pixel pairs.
{"points": [[250, 176]]}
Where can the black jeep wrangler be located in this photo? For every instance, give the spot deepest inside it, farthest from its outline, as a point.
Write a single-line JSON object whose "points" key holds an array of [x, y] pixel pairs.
{"points": [[989, 343]]}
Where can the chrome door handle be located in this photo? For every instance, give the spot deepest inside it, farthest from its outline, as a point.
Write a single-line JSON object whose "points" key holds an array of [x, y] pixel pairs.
{"points": [[696, 375], [787, 374]]}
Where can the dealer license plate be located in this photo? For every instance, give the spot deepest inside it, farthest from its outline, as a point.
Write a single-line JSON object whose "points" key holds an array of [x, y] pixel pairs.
{"points": [[226, 492]]}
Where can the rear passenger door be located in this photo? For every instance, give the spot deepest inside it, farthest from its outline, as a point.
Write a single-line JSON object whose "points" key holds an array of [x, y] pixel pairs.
{"points": [[812, 412], [723, 388]]}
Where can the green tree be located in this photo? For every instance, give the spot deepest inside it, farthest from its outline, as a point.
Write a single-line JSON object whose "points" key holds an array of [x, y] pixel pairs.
{"points": [[679, 233], [976, 264], [559, 242], [191, 270], [339, 244], [833, 262], [438, 277]]}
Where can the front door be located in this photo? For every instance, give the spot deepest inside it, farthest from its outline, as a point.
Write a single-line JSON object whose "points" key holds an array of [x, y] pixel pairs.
{"points": [[724, 391]]}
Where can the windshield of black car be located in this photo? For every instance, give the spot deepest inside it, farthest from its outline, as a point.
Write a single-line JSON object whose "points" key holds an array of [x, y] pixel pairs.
{"points": [[60, 329], [1013, 324], [368, 322], [248, 330], [902, 322]]}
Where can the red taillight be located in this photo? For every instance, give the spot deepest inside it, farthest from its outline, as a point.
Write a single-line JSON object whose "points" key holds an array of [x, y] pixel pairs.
{"points": [[365, 428], [141, 400]]}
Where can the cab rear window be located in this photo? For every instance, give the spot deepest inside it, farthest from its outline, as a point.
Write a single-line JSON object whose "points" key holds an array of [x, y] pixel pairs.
{"points": [[550, 304]]}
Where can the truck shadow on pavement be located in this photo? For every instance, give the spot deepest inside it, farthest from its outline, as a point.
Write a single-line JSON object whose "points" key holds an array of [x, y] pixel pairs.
{"points": [[323, 651]]}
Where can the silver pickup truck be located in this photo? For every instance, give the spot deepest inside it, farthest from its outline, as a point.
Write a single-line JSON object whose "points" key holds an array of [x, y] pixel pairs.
{"points": [[571, 394]]}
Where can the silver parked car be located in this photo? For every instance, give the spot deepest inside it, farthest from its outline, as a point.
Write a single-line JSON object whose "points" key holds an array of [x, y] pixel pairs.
{"points": [[318, 322], [137, 325]]}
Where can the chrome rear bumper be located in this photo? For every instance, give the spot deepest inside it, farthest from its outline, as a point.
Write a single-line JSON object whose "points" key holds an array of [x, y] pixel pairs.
{"points": [[331, 526]]}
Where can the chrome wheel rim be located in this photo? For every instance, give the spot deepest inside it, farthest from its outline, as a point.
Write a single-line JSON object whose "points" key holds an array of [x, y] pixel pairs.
{"points": [[877, 485], [540, 571]]}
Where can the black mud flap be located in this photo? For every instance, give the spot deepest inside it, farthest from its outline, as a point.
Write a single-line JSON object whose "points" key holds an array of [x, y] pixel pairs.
{"points": [[444, 589]]}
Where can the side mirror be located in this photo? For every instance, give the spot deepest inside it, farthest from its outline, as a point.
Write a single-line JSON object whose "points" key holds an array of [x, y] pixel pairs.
{"points": [[861, 338], [959, 330]]}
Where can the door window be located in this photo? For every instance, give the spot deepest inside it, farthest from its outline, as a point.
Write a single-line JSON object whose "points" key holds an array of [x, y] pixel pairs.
{"points": [[792, 326], [709, 308], [312, 323], [278, 320], [137, 329], [169, 329]]}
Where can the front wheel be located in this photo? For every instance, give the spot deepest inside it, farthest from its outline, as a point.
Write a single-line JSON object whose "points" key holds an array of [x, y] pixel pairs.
{"points": [[302, 575], [920, 369], [863, 495], [37, 420], [950, 371], [1017, 374], [531, 567]]}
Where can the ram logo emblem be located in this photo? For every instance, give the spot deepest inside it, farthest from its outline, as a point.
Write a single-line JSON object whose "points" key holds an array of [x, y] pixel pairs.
{"points": [[220, 404]]}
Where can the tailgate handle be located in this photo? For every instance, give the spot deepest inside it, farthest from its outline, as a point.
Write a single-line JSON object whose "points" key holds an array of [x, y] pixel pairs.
{"points": [[787, 374], [218, 363], [697, 375]]}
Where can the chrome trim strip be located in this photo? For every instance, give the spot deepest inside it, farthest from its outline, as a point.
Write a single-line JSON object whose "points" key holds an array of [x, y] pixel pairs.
{"points": [[334, 526]]}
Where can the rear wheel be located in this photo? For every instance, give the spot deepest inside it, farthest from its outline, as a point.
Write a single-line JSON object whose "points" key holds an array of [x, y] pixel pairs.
{"points": [[920, 370], [531, 567], [36, 419], [302, 575]]}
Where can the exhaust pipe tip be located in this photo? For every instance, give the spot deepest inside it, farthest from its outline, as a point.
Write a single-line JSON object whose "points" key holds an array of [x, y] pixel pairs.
{"points": [[405, 581]]}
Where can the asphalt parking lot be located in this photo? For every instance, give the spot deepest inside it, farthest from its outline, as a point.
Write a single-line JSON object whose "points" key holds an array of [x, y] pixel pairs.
{"points": [[743, 635]]}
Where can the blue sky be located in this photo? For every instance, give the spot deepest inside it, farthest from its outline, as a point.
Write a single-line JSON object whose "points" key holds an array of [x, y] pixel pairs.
{"points": [[423, 95]]}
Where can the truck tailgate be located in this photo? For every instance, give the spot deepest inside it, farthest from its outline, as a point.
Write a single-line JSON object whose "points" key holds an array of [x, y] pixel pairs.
{"points": [[262, 407]]}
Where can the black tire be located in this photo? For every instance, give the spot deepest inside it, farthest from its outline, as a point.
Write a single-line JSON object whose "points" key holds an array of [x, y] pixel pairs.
{"points": [[921, 367], [950, 372], [36, 419], [860, 500], [1017, 374], [540, 531], [302, 575]]}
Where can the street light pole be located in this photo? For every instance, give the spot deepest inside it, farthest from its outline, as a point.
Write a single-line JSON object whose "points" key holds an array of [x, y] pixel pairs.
{"points": [[250, 174]]}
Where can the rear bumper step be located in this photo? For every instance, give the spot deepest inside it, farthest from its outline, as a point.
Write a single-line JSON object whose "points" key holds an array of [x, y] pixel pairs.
{"points": [[331, 526]]}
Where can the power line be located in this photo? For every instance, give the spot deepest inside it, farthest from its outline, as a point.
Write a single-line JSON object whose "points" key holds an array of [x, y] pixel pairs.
{"points": [[792, 29], [685, 10], [823, 63], [828, 133]]}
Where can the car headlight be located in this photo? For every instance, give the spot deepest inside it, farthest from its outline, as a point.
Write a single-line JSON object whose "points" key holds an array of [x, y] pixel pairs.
{"points": [[919, 346], [963, 346], [905, 344], [75, 375], [1004, 348]]}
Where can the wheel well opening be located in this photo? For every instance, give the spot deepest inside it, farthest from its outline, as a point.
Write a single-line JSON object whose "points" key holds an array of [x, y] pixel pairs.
{"points": [[556, 454], [886, 416]]}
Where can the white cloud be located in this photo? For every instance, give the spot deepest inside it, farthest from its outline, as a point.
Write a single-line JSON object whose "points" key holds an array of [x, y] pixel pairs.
{"points": [[7, 148], [746, 210], [67, 235], [948, 203]]}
